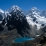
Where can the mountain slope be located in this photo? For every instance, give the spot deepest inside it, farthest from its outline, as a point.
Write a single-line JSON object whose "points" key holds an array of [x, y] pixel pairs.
{"points": [[34, 17], [1, 15], [15, 19], [26, 25]]}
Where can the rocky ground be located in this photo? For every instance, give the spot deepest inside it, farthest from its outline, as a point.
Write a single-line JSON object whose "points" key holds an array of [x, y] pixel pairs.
{"points": [[7, 40], [39, 41], [7, 37]]}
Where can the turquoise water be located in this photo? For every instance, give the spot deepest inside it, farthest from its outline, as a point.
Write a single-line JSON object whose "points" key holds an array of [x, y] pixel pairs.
{"points": [[23, 39]]}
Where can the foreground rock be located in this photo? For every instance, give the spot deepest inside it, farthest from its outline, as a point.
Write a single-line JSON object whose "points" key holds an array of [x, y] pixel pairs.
{"points": [[36, 42]]}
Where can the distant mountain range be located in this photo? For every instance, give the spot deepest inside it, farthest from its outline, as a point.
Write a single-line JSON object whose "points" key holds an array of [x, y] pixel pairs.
{"points": [[31, 24]]}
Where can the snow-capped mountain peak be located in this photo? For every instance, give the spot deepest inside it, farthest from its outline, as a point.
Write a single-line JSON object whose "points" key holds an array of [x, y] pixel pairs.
{"points": [[35, 17], [34, 12], [33, 8], [14, 8], [1, 15], [1, 11]]}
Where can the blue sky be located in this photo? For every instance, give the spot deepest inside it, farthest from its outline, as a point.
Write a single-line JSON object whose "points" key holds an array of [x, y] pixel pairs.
{"points": [[23, 4]]}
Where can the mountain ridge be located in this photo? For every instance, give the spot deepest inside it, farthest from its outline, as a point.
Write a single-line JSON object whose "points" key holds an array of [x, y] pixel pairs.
{"points": [[26, 25]]}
